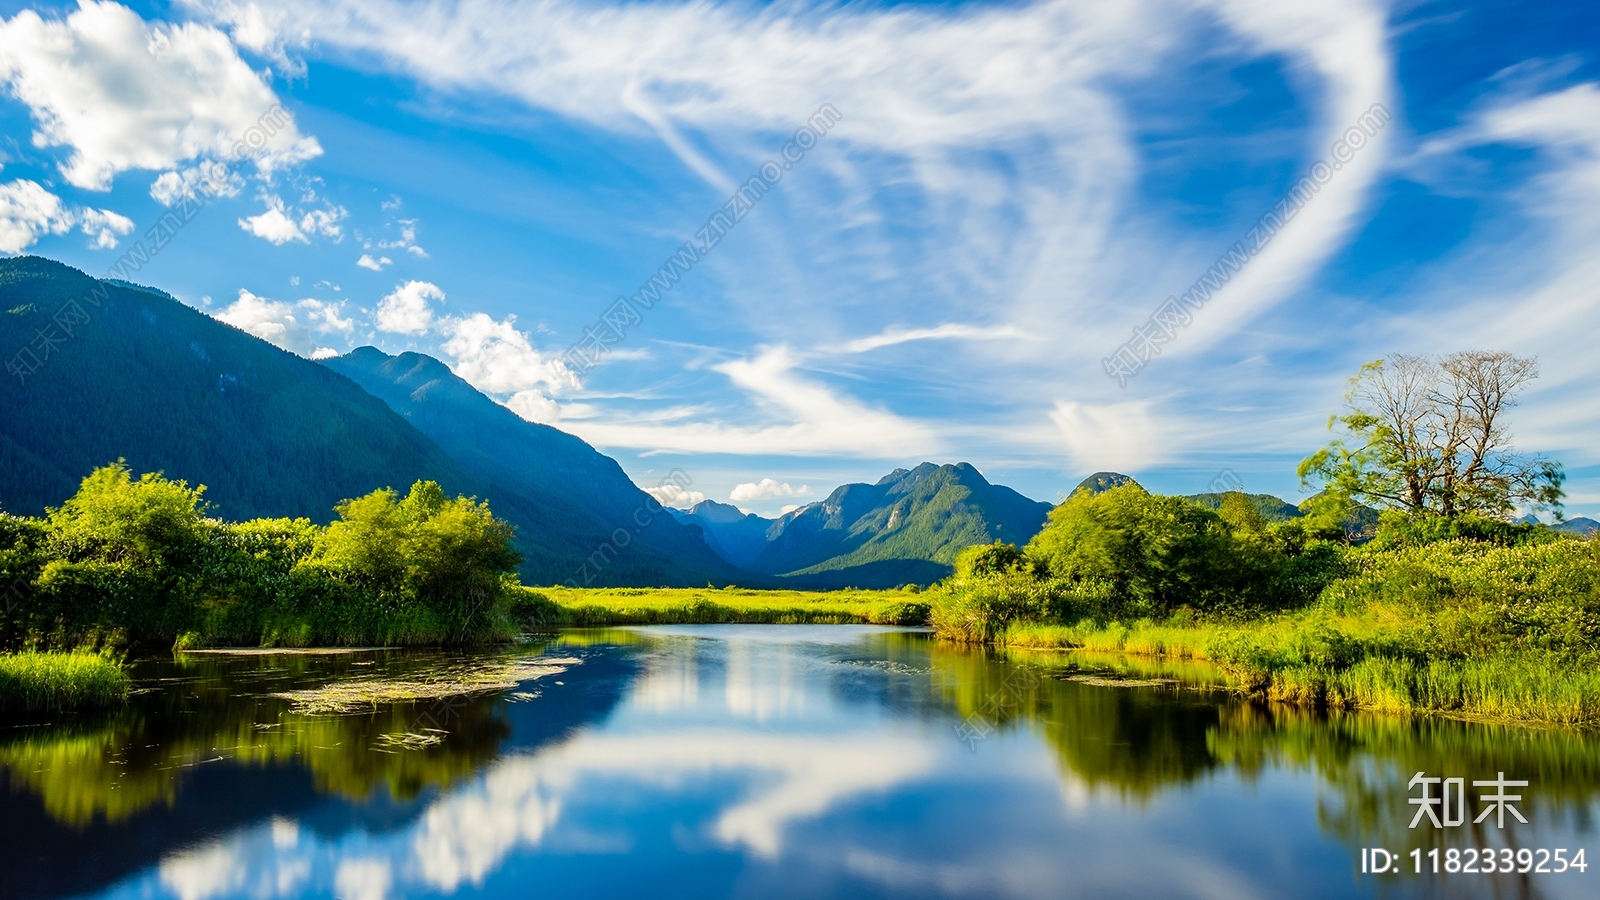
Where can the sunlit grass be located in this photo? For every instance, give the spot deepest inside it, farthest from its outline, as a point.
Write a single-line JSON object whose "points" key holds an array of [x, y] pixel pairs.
{"points": [[679, 606], [59, 681], [1346, 662]]}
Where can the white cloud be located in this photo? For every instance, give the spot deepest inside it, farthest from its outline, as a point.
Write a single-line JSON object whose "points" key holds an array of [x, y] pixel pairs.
{"points": [[377, 265], [408, 237], [123, 94], [405, 310], [324, 222], [28, 212], [766, 489], [534, 406], [274, 225], [497, 358], [280, 225], [290, 325], [1119, 437], [104, 225], [1345, 46], [671, 495], [171, 188], [890, 337], [820, 420]]}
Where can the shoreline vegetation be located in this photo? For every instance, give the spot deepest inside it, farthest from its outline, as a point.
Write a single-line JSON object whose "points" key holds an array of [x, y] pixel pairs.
{"points": [[588, 607], [56, 682], [1446, 607], [1483, 619]]}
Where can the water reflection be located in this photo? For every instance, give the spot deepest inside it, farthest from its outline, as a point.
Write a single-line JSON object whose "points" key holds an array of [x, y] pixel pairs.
{"points": [[736, 761]]}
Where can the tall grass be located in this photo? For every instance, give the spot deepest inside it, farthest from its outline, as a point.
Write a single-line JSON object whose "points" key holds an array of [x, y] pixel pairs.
{"points": [[1311, 660], [700, 606], [1460, 628], [53, 682]]}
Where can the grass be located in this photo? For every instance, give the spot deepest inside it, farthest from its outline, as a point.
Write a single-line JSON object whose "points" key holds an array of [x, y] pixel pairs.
{"points": [[1341, 662], [679, 606], [55, 682]]}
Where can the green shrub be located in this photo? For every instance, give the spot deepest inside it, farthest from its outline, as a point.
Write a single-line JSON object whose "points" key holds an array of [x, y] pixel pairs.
{"points": [[910, 612]]}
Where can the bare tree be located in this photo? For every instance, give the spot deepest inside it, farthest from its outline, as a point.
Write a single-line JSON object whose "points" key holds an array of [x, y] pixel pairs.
{"points": [[1428, 435]]}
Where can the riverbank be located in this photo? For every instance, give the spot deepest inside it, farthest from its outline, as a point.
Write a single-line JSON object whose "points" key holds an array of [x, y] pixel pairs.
{"points": [[558, 606], [57, 682], [1492, 621], [1314, 661]]}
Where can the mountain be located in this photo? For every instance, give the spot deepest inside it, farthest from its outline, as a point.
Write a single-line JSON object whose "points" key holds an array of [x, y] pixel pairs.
{"points": [[120, 371], [734, 535], [173, 390], [580, 497], [1100, 482], [1272, 509], [906, 528], [1582, 526]]}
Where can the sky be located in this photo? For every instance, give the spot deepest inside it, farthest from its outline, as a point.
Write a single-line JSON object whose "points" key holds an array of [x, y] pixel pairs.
{"points": [[993, 199]]}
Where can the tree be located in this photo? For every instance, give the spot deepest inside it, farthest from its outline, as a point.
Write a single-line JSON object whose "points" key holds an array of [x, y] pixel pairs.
{"points": [[451, 558], [150, 522], [1158, 553], [1427, 436]]}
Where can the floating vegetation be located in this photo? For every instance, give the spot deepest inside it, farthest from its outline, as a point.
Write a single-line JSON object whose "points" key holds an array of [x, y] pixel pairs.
{"points": [[1103, 681], [887, 665], [410, 740], [480, 678]]}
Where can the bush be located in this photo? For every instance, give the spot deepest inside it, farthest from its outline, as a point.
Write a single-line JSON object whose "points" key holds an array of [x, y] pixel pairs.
{"points": [[910, 612], [1396, 530], [977, 609]]}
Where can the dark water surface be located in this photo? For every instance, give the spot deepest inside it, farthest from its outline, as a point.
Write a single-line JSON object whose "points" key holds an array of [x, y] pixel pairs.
{"points": [[761, 761]]}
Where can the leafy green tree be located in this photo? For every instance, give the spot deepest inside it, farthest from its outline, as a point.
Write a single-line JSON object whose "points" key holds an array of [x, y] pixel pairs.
{"points": [[1428, 436], [1241, 515], [150, 523], [997, 558], [448, 562], [123, 556], [1159, 552]]}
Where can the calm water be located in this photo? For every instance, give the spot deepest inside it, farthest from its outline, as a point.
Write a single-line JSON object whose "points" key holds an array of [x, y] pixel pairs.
{"points": [[769, 762]]}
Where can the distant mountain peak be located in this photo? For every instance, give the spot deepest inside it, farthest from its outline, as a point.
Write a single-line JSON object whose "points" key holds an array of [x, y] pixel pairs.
{"points": [[1103, 481], [720, 513], [907, 526]]}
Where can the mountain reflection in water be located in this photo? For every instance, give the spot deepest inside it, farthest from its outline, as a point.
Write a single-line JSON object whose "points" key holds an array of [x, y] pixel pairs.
{"points": [[779, 761]]}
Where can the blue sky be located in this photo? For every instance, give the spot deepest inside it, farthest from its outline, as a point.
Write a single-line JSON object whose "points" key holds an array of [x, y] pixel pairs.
{"points": [[1010, 190]]}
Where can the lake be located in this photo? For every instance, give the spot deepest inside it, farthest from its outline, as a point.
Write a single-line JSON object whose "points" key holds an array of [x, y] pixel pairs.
{"points": [[768, 762]]}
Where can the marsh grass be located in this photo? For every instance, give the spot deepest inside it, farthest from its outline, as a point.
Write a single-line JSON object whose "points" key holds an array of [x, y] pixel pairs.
{"points": [[55, 682], [1313, 660], [705, 606]]}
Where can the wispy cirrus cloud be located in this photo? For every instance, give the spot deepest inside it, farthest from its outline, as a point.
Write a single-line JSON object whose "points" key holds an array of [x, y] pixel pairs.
{"points": [[806, 417]]}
